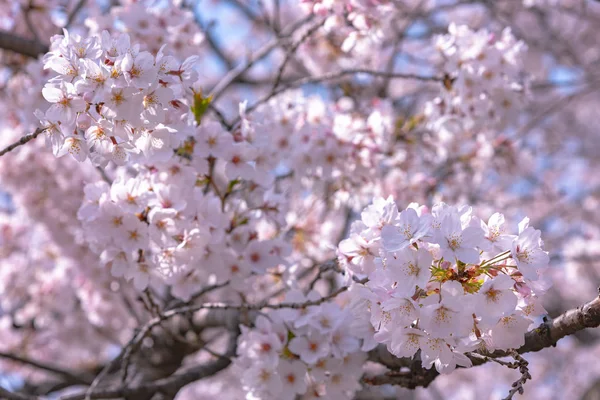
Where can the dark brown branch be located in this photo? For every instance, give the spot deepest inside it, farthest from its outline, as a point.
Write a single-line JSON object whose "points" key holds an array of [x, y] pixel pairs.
{"points": [[219, 115], [74, 13], [27, 16], [23, 140], [21, 45], [212, 42], [517, 386], [72, 376], [137, 339], [46, 387], [172, 384], [292, 50], [5, 394], [247, 11], [551, 331], [545, 335], [276, 15]]}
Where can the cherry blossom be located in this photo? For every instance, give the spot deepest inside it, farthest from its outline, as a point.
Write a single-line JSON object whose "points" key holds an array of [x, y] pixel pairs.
{"points": [[457, 242], [528, 254]]}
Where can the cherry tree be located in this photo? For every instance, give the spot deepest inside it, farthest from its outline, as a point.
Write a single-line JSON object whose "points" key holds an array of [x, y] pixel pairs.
{"points": [[299, 199]]}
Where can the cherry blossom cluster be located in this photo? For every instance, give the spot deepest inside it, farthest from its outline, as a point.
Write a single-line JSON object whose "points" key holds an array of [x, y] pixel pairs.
{"points": [[319, 143], [442, 281], [47, 296], [218, 195], [54, 290], [112, 101], [152, 26], [293, 352], [351, 29], [364, 15], [485, 83], [160, 226]]}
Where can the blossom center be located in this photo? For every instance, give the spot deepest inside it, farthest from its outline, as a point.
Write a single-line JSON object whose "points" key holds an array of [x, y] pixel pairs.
{"points": [[454, 242], [413, 270], [492, 295]]}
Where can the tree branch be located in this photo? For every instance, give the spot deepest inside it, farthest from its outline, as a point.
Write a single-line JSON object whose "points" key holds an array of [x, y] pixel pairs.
{"points": [[74, 13], [21, 45], [247, 11], [172, 384], [5, 394], [261, 53], [212, 42], [545, 335], [79, 378], [23, 140], [333, 76]]}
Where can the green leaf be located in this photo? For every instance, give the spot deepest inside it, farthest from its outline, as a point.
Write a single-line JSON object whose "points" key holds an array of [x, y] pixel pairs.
{"points": [[200, 105], [232, 184], [202, 182], [186, 150]]}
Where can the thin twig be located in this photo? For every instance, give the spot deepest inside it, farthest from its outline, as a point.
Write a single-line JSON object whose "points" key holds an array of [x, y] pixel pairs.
{"points": [[220, 116], [22, 141], [169, 384], [136, 341], [292, 50], [74, 13], [201, 293], [103, 174], [47, 367], [212, 42], [247, 11], [332, 265], [276, 16], [336, 75], [111, 365], [261, 53], [517, 386]]}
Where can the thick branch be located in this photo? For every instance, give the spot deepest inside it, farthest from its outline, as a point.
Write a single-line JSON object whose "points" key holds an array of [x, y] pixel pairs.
{"points": [[405, 372], [5, 394], [172, 384], [18, 44], [47, 367], [545, 335], [568, 323]]}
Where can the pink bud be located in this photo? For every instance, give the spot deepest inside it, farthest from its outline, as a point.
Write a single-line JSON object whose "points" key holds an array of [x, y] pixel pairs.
{"points": [[523, 289], [84, 121]]}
